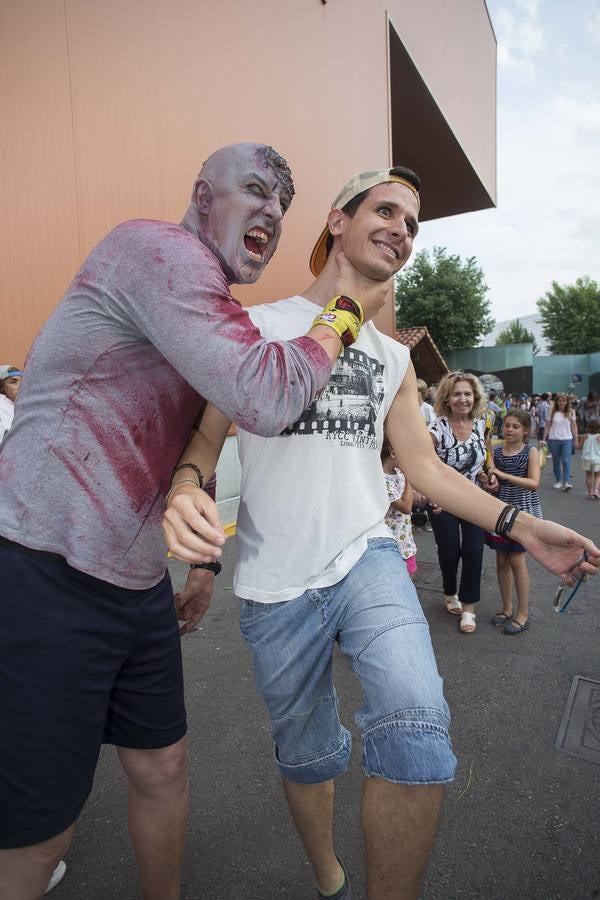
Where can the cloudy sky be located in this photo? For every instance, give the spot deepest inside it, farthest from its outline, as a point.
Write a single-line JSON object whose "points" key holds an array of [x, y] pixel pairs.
{"points": [[547, 222]]}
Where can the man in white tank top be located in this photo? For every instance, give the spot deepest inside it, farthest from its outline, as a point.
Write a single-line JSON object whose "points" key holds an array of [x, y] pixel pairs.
{"points": [[317, 566]]}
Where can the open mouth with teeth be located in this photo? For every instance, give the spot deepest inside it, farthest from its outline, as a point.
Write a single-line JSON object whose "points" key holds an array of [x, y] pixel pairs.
{"points": [[255, 242], [387, 249]]}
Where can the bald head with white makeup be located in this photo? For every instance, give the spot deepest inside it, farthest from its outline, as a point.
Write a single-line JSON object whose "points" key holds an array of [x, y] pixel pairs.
{"points": [[238, 202]]}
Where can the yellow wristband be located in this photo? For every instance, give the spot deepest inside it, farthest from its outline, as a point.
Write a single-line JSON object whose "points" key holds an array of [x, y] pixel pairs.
{"points": [[347, 304], [344, 315]]}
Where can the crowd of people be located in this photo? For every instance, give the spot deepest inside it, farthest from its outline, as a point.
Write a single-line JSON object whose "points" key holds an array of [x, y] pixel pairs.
{"points": [[462, 432], [118, 426]]}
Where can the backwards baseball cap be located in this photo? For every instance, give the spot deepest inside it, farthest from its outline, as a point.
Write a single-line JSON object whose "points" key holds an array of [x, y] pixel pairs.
{"points": [[364, 181], [9, 372]]}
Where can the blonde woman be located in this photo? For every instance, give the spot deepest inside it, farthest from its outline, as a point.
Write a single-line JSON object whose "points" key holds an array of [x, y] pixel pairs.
{"points": [[459, 438], [560, 432]]}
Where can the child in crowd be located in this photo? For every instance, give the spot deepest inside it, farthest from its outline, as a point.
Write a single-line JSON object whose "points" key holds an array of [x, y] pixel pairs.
{"points": [[400, 494], [517, 468], [590, 460]]}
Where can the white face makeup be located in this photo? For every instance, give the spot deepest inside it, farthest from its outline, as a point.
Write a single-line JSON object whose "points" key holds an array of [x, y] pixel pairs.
{"points": [[378, 239], [248, 193]]}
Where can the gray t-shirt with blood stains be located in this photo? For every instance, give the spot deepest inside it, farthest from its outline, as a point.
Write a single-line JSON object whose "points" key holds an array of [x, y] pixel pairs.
{"points": [[112, 387]]}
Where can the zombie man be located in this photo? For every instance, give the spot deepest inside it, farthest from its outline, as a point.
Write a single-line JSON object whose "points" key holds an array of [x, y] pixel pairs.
{"points": [[329, 571], [90, 647]]}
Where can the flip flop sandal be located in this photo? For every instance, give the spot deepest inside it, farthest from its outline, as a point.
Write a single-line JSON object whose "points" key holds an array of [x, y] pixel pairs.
{"points": [[501, 619], [453, 604], [467, 623], [515, 627]]}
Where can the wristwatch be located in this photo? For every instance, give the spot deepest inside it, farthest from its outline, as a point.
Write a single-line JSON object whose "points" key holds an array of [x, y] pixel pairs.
{"points": [[214, 567]]}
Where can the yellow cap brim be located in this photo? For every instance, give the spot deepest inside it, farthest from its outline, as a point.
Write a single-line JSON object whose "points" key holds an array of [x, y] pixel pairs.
{"points": [[318, 257], [359, 183]]}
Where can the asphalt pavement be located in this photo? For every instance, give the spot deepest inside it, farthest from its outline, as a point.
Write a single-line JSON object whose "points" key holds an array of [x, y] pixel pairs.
{"points": [[520, 822]]}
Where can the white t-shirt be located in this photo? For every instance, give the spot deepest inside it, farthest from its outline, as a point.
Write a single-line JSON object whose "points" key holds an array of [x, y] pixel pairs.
{"points": [[7, 412], [560, 429], [312, 497], [428, 412]]}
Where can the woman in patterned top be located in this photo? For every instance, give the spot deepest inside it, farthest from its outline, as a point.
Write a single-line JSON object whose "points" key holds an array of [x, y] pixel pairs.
{"points": [[459, 439], [517, 468]]}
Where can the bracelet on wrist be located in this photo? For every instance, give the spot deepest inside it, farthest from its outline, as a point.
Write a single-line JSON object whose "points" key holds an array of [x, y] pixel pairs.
{"points": [[344, 315], [506, 520], [214, 567], [191, 466], [176, 485]]}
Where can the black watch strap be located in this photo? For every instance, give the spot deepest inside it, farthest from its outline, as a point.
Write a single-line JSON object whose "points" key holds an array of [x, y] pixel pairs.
{"points": [[212, 567]]}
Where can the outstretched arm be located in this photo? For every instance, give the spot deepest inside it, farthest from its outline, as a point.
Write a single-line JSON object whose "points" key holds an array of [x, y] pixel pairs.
{"points": [[554, 546]]}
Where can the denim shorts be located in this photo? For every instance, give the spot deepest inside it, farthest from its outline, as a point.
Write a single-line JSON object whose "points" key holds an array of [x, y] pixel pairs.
{"points": [[375, 616]]}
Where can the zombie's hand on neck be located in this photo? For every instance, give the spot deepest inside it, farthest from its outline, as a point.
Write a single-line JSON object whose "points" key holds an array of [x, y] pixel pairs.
{"points": [[371, 294]]}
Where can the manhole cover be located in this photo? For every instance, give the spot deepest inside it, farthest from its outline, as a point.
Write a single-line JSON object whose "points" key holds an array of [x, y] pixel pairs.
{"points": [[579, 732]]}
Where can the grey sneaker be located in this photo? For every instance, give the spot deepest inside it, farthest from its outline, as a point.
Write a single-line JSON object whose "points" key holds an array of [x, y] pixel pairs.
{"points": [[344, 893], [57, 876]]}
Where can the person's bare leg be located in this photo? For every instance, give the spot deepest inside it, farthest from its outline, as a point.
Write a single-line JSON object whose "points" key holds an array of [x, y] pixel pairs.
{"points": [[505, 582], [311, 806], [399, 823], [26, 871], [158, 804], [589, 483], [518, 562]]}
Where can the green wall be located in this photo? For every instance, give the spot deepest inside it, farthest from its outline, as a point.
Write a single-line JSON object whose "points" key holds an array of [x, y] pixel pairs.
{"points": [[520, 370]]}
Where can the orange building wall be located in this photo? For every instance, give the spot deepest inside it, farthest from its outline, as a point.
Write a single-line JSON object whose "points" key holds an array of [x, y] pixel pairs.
{"points": [[109, 109]]}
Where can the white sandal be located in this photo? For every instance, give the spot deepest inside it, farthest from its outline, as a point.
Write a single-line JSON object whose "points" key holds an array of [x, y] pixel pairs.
{"points": [[453, 604], [467, 623]]}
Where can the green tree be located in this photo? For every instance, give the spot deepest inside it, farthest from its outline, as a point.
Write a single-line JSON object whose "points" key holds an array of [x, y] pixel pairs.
{"points": [[516, 333], [570, 315], [448, 296]]}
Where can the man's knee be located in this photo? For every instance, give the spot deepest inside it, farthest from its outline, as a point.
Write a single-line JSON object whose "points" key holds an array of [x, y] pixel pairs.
{"points": [[410, 747], [316, 761], [156, 770], [47, 853]]}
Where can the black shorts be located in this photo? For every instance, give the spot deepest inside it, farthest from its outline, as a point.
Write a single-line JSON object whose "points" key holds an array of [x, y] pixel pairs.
{"points": [[82, 662]]}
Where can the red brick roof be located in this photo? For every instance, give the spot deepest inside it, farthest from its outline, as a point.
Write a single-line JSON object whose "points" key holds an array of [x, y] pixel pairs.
{"points": [[410, 337]]}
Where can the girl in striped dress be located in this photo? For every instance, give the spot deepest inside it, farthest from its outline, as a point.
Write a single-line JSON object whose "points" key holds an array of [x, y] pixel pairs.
{"points": [[517, 469]]}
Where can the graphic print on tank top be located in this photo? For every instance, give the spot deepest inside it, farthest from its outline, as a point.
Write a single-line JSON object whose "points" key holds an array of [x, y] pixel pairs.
{"points": [[346, 410]]}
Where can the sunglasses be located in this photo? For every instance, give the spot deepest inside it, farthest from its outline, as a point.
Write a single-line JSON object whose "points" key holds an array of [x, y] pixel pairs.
{"points": [[562, 587]]}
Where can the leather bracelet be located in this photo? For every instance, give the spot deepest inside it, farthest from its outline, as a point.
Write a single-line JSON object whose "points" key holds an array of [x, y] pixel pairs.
{"points": [[506, 520], [191, 466], [510, 520], [214, 567]]}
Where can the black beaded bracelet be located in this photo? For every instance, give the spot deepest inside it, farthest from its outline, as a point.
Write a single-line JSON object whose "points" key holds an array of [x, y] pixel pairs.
{"points": [[194, 468]]}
